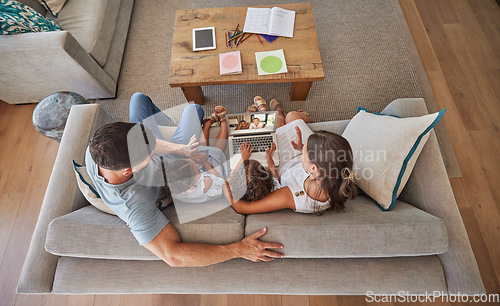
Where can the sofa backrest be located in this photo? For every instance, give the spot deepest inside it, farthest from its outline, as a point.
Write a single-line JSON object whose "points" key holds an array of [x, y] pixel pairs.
{"points": [[34, 4]]}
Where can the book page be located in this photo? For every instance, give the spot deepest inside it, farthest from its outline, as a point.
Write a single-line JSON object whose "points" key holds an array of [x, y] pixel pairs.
{"points": [[257, 20], [285, 134], [281, 22]]}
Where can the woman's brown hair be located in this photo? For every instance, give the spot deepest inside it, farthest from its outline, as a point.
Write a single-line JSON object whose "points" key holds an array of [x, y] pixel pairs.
{"points": [[332, 154]]}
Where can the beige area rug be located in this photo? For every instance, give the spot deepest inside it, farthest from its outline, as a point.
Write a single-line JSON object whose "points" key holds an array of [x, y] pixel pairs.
{"points": [[368, 55]]}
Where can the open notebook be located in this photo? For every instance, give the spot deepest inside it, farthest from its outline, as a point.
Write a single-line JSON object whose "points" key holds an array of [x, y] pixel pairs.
{"points": [[284, 135], [270, 21]]}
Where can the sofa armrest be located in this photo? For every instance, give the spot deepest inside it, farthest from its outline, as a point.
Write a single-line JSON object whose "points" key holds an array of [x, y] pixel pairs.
{"points": [[429, 189], [35, 65], [62, 195]]}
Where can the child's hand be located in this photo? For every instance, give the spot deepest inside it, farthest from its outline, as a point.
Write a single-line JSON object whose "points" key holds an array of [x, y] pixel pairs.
{"points": [[298, 144], [246, 150], [270, 152]]}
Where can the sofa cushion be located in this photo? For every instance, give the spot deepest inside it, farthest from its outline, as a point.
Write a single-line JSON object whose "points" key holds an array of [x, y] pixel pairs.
{"points": [[385, 149], [321, 276], [361, 230], [92, 23], [90, 233], [17, 18]]}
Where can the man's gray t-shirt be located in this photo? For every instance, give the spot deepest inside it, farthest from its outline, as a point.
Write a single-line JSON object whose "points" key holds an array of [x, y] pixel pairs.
{"points": [[133, 201]]}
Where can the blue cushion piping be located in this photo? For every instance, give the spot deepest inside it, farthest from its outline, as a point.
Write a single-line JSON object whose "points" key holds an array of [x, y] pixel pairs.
{"points": [[380, 114], [408, 157], [75, 165]]}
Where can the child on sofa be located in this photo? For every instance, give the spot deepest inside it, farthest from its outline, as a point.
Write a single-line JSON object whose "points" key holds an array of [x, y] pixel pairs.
{"points": [[250, 181], [195, 179]]}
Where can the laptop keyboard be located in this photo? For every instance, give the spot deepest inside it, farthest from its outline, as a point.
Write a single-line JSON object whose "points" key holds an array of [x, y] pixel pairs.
{"points": [[258, 144]]}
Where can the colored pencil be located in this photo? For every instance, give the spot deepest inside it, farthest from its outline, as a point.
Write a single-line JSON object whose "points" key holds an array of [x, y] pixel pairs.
{"points": [[241, 38], [236, 36], [246, 38], [258, 36], [225, 34]]}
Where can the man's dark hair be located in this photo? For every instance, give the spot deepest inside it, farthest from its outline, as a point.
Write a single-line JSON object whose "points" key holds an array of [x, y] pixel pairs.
{"points": [[121, 145]]}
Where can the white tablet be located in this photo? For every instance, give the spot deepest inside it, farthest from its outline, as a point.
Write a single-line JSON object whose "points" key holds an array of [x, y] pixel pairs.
{"points": [[204, 39]]}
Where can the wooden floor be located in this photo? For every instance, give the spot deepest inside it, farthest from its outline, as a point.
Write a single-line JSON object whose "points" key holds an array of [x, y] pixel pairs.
{"points": [[459, 43]]}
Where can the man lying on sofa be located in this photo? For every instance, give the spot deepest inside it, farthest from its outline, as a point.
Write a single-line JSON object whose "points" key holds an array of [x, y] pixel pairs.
{"points": [[122, 158]]}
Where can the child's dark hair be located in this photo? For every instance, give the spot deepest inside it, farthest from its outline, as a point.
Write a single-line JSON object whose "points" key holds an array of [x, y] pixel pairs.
{"points": [[180, 174], [251, 182], [332, 154]]}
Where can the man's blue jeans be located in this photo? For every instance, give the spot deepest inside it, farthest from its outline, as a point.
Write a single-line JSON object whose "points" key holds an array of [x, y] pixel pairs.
{"points": [[143, 110]]}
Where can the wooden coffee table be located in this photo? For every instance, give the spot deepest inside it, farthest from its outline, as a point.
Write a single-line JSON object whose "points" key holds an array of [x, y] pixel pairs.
{"points": [[190, 70]]}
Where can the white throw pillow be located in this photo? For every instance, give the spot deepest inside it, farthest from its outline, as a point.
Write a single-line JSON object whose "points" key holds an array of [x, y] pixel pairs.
{"points": [[88, 189], [385, 150]]}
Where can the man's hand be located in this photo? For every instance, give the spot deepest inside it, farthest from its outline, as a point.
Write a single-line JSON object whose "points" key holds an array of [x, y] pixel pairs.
{"points": [[168, 246], [246, 150], [251, 248], [297, 145], [190, 148]]}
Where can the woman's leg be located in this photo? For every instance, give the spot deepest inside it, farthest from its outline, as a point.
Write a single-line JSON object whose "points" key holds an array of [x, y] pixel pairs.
{"points": [[189, 124]]}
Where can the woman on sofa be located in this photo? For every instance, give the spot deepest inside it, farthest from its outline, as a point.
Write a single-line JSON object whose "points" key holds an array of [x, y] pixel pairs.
{"points": [[322, 180]]}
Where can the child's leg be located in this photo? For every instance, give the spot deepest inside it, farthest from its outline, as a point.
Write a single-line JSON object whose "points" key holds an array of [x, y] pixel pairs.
{"points": [[221, 140], [206, 131]]}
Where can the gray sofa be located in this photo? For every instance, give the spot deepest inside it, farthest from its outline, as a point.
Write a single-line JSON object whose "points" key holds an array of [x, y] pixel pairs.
{"points": [[420, 246], [85, 57]]}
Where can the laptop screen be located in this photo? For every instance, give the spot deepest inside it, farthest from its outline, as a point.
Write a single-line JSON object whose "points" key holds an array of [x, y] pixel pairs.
{"points": [[251, 123]]}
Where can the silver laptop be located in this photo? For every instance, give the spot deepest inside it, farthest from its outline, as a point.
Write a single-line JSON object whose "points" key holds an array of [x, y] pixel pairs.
{"points": [[258, 129]]}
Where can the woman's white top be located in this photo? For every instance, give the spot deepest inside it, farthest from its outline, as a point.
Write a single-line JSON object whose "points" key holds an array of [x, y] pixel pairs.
{"points": [[294, 178], [197, 195]]}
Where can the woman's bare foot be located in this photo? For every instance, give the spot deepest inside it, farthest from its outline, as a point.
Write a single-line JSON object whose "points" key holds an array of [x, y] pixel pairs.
{"points": [[275, 105], [260, 103], [252, 109]]}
